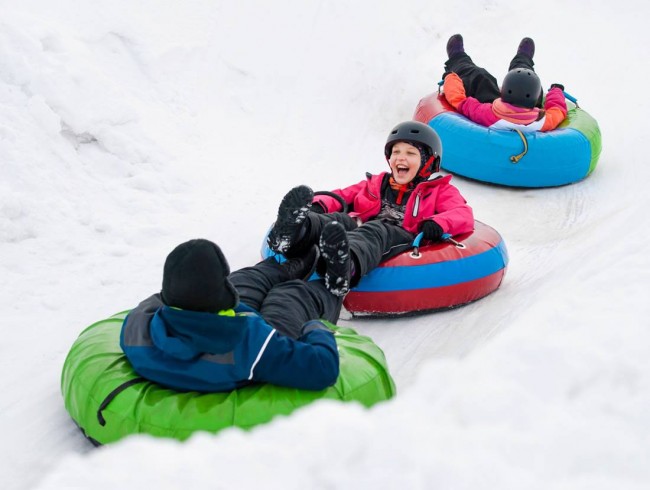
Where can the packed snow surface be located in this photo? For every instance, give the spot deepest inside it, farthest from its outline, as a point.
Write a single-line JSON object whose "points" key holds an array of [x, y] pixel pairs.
{"points": [[129, 127]]}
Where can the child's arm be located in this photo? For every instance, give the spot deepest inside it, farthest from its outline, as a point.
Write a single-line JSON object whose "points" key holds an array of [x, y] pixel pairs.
{"points": [[452, 212], [469, 107], [309, 363], [454, 90], [331, 205], [555, 108]]}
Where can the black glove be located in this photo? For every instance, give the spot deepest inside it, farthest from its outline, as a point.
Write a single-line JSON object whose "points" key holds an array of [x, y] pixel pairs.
{"points": [[432, 231], [317, 208], [558, 85]]}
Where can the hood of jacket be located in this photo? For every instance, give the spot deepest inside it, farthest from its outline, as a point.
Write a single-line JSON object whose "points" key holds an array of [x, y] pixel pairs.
{"points": [[188, 334]]}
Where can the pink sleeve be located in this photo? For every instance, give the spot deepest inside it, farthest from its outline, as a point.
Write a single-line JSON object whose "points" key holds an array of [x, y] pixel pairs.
{"points": [[469, 107], [479, 113], [555, 107], [331, 205], [328, 203], [453, 213]]}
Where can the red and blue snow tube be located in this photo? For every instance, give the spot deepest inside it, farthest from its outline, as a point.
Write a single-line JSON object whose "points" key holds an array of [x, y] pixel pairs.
{"points": [[438, 276], [442, 275]]}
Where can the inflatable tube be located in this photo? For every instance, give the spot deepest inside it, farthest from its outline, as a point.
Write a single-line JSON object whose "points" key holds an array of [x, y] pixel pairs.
{"points": [[445, 275], [562, 156], [108, 401]]}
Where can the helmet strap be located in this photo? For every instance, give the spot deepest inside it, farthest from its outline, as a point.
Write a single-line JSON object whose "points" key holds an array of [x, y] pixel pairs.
{"points": [[427, 169]]}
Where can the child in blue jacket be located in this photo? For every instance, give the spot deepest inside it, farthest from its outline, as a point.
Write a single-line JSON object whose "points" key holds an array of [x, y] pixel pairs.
{"points": [[211, 331]]}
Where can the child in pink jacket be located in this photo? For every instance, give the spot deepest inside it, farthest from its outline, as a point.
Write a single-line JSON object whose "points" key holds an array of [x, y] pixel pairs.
{"points": [[474, 92], [384, 213]]}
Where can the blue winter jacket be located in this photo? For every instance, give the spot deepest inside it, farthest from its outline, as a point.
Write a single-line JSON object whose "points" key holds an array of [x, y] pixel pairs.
{"points": [[246, 350]]}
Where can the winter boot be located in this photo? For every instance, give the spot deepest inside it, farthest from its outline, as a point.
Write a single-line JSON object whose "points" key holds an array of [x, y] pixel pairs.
{"points": [[526, 47], [292, 213], [302, 267], [455, 46], [335, 251]]}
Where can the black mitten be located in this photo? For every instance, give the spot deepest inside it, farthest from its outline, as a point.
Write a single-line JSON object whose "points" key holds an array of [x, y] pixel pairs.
{"points": [[432, 231]]}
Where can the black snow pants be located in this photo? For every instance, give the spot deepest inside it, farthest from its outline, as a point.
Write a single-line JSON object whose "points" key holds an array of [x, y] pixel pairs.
{"points": [[370, 243], [284, 304], [478, 82]]}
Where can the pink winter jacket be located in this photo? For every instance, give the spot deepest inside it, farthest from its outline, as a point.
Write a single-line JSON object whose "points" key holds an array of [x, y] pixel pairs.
{"points": [[435, 200], [555, 109]]}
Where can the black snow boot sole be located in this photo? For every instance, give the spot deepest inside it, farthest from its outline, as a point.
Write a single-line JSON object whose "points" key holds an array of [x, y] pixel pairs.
{"points": [[335, 251], [292, 213]]}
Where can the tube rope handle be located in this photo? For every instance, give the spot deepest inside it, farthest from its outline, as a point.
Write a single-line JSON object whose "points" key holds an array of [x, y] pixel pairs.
{"points": [[571, 98], [415, 253], [516, 158], [447, 237]]}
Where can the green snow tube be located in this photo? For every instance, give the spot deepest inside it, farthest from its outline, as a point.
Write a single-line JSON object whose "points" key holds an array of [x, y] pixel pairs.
{"points": [[109, 401]]}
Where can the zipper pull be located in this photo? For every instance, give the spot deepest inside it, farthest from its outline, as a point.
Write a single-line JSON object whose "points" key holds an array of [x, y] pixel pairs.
{"points": [[416, 206]]}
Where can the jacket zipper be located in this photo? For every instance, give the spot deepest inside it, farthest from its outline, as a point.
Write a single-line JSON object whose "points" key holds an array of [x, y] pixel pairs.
{"points": [[416, 205], [369, 176]]}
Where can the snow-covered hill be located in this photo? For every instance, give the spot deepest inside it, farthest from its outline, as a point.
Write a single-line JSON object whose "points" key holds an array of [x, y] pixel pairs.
{"points": [[129, 127]]}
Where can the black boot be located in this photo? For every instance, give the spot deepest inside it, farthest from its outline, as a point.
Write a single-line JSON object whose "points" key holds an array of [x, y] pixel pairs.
{"points": [[304, 266], [455, 46], [335, 251], [526, 47], [292, 213]]}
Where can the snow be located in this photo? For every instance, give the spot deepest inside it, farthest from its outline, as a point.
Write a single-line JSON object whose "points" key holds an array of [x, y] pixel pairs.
{"points": [[129, 127]]}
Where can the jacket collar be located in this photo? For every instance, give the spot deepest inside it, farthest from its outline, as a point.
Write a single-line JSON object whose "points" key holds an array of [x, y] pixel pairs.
{"points": [[434, 179], [189, 334], [437, 178]]}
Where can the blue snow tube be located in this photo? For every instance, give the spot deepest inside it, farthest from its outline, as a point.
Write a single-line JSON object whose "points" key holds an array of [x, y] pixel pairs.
{"points": [[511, 158]]}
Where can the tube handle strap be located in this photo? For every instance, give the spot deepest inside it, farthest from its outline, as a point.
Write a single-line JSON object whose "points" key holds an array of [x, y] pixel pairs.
{"points": [[516, 158], [111, 396]]}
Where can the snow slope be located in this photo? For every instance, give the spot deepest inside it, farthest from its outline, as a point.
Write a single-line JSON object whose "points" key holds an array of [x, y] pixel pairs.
{"points": [[129, 127]]}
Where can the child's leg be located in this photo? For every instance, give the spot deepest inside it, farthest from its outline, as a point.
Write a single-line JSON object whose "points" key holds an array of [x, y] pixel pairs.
{"points": [[376, 241], [313, 227], [524, 56], [478, 82], [290, 304], [524, 59], [521, 61], [253, 283]]}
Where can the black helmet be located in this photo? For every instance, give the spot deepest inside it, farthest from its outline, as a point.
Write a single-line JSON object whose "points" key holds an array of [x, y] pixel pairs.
{"points": [[423, 135], [521, 87]]}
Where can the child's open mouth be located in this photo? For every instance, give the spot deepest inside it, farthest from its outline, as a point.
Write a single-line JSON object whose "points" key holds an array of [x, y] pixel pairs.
{"points": [[402, 169]]}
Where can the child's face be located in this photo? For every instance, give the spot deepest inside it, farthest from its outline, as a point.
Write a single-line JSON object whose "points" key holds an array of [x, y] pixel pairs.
{"points": [[404, 162]]}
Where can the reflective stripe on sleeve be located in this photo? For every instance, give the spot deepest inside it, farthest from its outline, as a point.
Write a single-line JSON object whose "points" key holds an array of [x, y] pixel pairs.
{"points": [[259, 354]]}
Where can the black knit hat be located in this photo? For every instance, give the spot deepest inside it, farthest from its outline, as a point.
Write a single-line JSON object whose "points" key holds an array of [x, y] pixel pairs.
{"points": [[196, 278]]}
